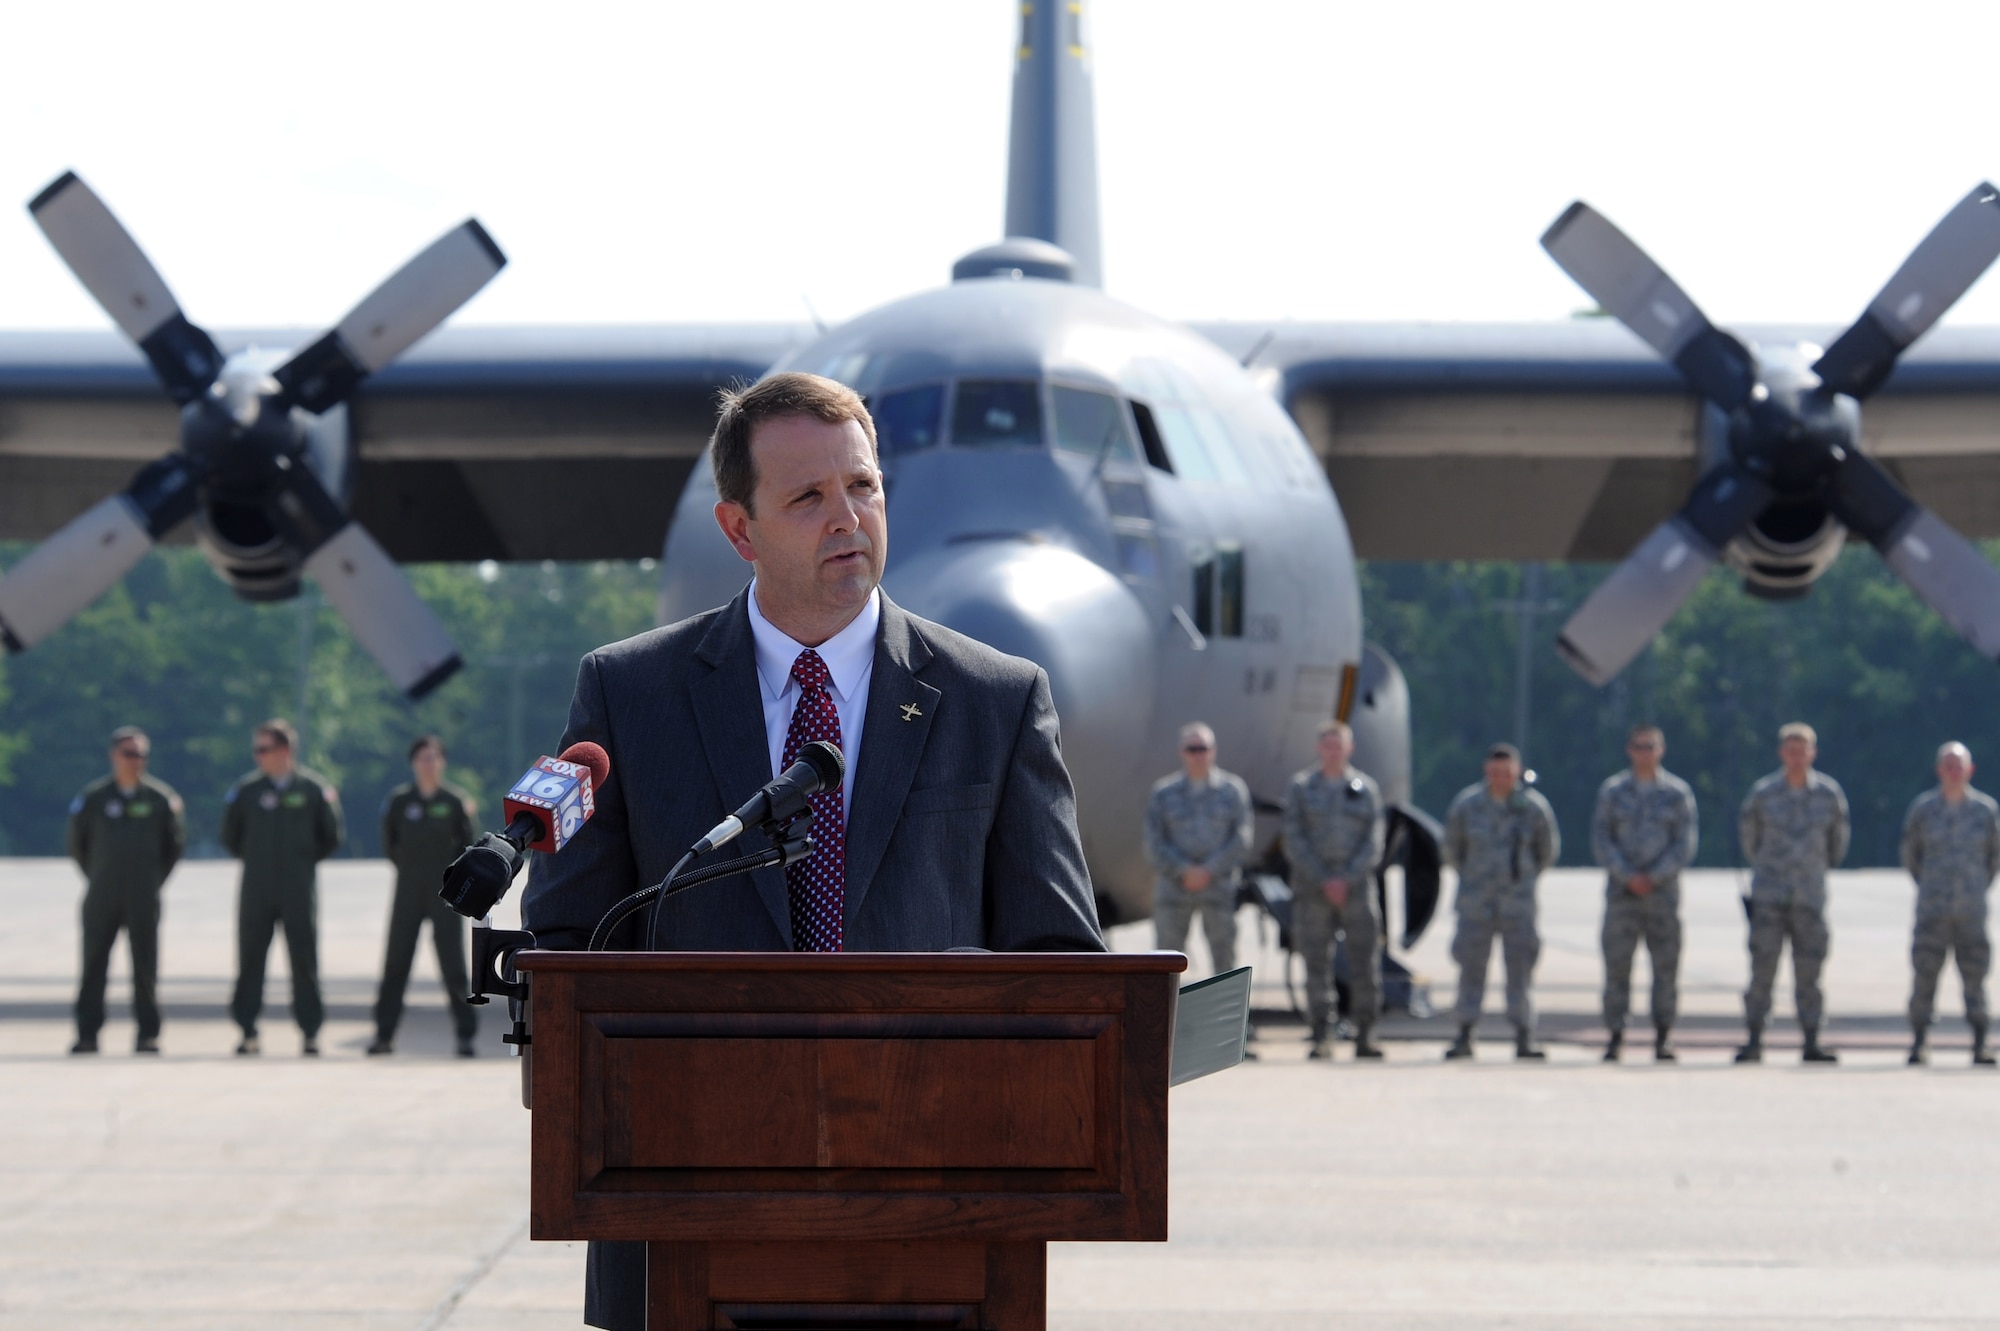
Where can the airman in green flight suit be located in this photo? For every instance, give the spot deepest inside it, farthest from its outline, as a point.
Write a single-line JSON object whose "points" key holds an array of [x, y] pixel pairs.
{"points": [[281, 821], [126, 834], [425, 824]]}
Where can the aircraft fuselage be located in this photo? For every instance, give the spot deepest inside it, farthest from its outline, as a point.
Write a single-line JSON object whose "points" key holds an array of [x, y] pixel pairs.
{"points": [[1112, 497]]}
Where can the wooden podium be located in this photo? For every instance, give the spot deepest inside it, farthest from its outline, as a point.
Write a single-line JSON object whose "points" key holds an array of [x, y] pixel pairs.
{"points": [[849, 1139]]}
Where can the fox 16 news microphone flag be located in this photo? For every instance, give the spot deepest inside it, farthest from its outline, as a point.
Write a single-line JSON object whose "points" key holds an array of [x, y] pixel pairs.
{"points": [[557, 795], [546, 807]]}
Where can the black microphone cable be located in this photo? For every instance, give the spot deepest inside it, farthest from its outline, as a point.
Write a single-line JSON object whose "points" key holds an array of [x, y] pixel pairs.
{"points": [[795, 846]]}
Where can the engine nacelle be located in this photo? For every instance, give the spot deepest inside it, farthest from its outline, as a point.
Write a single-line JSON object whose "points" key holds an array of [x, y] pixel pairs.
{"points": [[254, 528], [1786, 550]]}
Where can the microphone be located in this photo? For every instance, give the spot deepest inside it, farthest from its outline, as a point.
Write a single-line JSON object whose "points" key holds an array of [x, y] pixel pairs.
{"points": [[820, 767], [545, 809]]}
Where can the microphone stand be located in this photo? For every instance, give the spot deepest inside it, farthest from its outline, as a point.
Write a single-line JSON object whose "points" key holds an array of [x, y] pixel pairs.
{"points": [[794, 844], [493, 950]]}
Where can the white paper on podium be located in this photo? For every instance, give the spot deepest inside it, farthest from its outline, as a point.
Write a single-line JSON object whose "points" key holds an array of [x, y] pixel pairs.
{"points": [[1211, 1026]]}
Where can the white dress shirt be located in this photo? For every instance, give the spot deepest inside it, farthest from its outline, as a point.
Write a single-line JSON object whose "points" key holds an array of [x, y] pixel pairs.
{"points": [[850, 659]]}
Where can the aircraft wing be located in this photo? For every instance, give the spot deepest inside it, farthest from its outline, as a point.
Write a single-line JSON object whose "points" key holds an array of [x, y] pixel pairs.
{"points": [[480, 443], [1573, 440]]}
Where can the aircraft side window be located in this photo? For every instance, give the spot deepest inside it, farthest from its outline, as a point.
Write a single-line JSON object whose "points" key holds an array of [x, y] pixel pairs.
{"points": [[909, 419], [1149, 438], [1185, 444], [997, 413], [1094, 425], [1203, 564], [1229, 599], [1218, 589]]}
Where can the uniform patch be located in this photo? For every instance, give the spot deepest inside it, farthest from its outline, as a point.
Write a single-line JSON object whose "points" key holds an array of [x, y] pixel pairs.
{"points": [[413, 812], [76, 805], [295, 799], [268, 800], [440, 810], [140, 809]]}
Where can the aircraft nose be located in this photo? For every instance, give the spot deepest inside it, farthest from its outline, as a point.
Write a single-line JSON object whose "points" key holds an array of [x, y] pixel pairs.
{"points": [[1067, 615]]}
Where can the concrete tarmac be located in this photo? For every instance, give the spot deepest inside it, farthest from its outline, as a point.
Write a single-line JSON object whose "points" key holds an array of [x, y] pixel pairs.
{"points": [[197, 1189]]}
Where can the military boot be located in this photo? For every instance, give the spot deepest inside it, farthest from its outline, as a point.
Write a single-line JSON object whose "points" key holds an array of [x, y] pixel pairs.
{"points": [[1525, 1046], [1663, 1045], [1920, 1053], [1462, 1046], [1981, 1057], [1614, 1046], [1364, 1044], [1816, 1052], [1752, 1050]]}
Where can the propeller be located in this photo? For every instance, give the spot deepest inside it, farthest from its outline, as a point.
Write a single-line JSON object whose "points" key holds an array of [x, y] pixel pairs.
{"points": [[243, 465], [1794, 435]]}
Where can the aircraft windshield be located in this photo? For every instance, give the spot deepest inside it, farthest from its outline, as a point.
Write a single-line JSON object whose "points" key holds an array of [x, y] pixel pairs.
{"points": [[908, 419], [1093, 424], [997, 413]]}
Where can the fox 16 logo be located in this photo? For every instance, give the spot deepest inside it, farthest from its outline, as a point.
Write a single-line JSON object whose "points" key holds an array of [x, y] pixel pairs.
{"points": [[559, 793]]}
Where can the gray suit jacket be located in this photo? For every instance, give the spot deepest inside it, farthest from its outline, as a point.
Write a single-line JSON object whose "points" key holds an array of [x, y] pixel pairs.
{"points": [[962, 831]]}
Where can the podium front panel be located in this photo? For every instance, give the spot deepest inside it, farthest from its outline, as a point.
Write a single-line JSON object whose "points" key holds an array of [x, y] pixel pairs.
{"points": [[996, 1097]]}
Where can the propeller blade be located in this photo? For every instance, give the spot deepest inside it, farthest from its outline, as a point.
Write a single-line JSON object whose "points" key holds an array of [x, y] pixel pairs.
{"points": [[1946, 571], [1942, 268], [1637, 292], [68, 571], [1641, 595], [388, 617], [81, 562], [422, 294], [1951, 576], [117, 272]]}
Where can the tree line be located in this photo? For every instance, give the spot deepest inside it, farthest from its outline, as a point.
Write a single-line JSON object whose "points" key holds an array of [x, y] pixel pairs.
{"points": [[1882, 679], [171, 649]]}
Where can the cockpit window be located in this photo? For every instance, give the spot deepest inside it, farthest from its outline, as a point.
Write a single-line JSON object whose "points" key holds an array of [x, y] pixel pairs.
{"points": [[997, 413], [1094, 424], [909, 419]]}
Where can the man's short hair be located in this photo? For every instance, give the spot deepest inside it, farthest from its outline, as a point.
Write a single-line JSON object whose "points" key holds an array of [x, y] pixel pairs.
{"points": [[1329, 727], [276, 728], [787, 394], [1646, 730], [1504, 753], [123, 733], [1798, 730], [422, 742], [1951, 746]]}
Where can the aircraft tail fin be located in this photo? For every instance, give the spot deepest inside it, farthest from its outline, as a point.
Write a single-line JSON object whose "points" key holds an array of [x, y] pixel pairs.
{"points": [[1052, 146]]}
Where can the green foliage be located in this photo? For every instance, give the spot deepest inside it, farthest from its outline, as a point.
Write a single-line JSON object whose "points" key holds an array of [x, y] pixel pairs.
{"points": [[172, 650], [1881, 678]]}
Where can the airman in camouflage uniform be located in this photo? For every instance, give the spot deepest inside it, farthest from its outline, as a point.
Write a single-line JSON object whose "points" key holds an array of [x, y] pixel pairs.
{"points": [[281, 821], [1951, 846], [426, 822], [1500, 835], [126, 834], [1644, 833], [1333, 838], [1199, 825], [1793, 828]]}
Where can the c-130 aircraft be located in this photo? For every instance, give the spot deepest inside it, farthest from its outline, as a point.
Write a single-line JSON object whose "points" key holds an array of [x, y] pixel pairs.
{"points": [[1141, 507]]}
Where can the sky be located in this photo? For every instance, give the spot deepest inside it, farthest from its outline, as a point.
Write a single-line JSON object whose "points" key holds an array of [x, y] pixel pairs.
{"points": [[675, 162]]}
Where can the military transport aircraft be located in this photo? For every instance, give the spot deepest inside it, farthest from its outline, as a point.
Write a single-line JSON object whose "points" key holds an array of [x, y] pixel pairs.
{"points": [[1144, 508]]}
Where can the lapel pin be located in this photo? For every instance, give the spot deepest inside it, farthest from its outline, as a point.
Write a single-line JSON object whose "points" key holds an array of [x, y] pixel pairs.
{"points": [[911, 711]]}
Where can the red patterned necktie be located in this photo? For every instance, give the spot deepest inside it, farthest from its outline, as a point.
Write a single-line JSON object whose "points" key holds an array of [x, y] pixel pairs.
{"points": [[818, 885]]}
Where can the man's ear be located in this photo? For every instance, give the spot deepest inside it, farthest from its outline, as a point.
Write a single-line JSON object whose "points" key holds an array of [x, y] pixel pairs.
{"points": [[734, 519]]}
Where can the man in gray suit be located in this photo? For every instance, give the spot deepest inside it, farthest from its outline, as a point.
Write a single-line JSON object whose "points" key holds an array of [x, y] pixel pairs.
{"points": [[956, 826]]}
